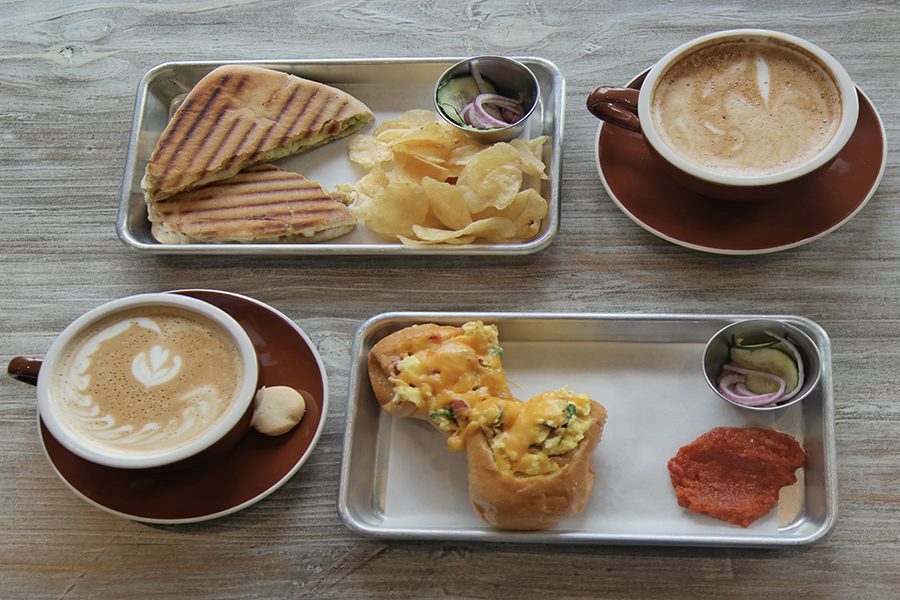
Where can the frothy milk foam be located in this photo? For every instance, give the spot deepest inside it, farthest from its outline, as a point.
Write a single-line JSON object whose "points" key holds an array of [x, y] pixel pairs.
{"points": [[147, 379], [746, 108]]}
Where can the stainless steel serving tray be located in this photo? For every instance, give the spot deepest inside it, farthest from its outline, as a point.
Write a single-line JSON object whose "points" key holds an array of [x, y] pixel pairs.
{"points": [[389, 87], [399, 481]]}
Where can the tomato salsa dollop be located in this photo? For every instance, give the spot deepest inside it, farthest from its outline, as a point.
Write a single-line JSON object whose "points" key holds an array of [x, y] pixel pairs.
{"points": [[734, 474]]}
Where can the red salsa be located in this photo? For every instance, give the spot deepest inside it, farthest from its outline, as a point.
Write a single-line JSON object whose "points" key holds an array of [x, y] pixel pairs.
{"points": [[734, 474]]}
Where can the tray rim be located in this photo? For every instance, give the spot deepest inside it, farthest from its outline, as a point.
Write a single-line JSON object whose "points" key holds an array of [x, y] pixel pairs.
{"points": [[830, 482], [538, 244]]}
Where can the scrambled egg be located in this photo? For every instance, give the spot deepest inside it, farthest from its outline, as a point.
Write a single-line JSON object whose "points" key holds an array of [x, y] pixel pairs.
{"points": [[462, 385], [525, 436], [450, 377]]}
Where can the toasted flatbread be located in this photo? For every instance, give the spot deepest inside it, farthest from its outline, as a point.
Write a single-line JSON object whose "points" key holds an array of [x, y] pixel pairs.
{"points": [[240, 115], [262, 204]]}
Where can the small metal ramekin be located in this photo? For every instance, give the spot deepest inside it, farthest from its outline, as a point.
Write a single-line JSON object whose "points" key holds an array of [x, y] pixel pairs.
{"points": [[510, 77], [716, 354]]}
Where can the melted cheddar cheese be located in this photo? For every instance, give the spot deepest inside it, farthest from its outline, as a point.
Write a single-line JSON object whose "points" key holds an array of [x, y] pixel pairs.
{"points": [[526, 436], [461, 385], [449, 378]]}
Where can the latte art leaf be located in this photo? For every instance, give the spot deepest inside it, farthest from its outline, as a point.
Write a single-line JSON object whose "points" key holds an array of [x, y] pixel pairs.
{"points": [[153, 370]]}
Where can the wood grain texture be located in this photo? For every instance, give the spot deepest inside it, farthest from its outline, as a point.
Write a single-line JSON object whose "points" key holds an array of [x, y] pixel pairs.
{"points": [[68, 73]]}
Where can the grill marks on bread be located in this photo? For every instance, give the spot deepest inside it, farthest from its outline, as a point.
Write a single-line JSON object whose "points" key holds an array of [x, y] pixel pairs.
{"points": [[239, 115], [262, 202], [202, 117]]}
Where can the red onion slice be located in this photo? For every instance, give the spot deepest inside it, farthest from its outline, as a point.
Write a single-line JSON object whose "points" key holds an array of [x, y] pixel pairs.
{"points": [[466, 113], [495, 104], [499, 100], [476, 75], [490, 111], [479, 117], [730, 379], [735, 390]]}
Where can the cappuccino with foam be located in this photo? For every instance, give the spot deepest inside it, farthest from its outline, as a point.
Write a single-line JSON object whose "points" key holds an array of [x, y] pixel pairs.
{"points": [[147, 379], [746, 108]]}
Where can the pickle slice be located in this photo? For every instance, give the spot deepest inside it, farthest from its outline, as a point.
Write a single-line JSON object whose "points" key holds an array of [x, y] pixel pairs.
{"points": [[770, 360], [454, 94]]}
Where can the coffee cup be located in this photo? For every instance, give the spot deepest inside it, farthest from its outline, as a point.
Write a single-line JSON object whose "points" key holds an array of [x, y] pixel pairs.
{"points": [[744, 114], [146, 381]]}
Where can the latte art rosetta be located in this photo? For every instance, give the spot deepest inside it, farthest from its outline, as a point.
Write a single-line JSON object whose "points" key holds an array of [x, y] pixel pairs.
{"points": [[143, 382]]}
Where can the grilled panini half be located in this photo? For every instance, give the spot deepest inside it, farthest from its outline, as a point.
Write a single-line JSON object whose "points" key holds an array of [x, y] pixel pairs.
{"points": [[240, 115], [261, 204]]}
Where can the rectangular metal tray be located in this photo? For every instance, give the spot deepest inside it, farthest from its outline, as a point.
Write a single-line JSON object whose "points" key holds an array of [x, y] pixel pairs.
{"points": [[389, 87], [399, 481]]}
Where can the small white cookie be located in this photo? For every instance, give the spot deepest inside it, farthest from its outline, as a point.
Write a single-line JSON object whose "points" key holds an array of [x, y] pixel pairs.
{"points": [[277, 409]]}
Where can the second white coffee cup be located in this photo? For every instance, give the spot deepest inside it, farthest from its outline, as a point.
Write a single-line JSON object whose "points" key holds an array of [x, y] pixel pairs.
{"points": [[149, 380], [739, 114]]}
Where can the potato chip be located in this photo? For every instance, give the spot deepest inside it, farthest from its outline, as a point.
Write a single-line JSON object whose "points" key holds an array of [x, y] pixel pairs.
{"points": [[533, 210], [408, 120], [460, 156], [530, 154], [392, 135], [493, 229], [412, 169], [447, 202], [414, 243], [367, 151], [492, 157], [433, 153], [528, 200], [373, 182], [432, 133], [429, 184], [396, 210], [496, 188]]}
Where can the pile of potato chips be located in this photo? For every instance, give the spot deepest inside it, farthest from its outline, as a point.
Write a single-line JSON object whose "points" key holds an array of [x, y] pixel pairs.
{"points": [[429, 183]]}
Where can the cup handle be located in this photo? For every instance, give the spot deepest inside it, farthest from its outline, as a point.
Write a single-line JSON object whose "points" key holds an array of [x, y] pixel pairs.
{"points": [[615, 105], [25, 369]]}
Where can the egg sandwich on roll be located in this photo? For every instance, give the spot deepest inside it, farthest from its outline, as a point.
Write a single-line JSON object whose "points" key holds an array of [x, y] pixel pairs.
{"points": [[437, 372], [529, 463]]}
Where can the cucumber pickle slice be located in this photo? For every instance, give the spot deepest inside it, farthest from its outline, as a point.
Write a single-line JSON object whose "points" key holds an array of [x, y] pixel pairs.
{"points": [[771, 360], [456, 93]]}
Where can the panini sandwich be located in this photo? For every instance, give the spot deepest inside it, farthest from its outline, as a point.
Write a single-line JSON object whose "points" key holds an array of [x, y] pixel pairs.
{"points": [[262, 204], [240, 115]]}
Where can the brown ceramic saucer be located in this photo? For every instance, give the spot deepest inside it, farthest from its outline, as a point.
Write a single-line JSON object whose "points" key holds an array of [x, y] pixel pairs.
{"points": [[257, 466], [655, 202]]}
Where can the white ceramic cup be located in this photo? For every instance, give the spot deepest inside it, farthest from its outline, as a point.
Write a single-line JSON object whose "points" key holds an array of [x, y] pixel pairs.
{"points": [[222, 432], [631, 109]]}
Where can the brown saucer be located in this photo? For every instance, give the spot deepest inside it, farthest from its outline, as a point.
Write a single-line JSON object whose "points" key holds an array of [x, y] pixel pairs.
{"points": [[640, 188], [257, 466]]}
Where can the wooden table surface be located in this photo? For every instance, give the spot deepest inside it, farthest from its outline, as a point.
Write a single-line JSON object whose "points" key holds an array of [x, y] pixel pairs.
{"points": [[68, 73]]}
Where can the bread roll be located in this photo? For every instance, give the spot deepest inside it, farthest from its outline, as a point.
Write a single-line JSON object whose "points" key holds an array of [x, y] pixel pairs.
{"points": [[510, 500], [387, 354], [437, 373]]}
